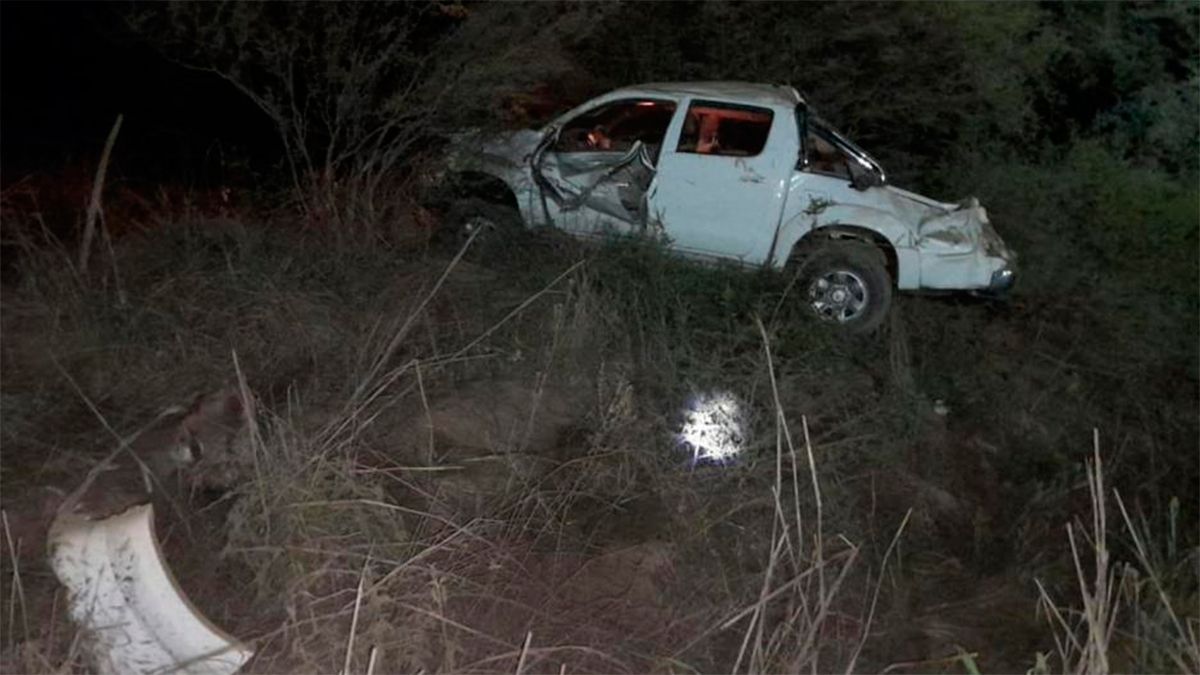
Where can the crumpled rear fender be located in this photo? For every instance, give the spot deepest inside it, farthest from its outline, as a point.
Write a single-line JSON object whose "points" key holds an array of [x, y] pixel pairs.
{"points": [[961, 250]]}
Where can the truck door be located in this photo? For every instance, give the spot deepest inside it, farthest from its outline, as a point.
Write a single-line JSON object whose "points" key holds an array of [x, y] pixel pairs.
{"points": [[596, 173], [720, 190]]}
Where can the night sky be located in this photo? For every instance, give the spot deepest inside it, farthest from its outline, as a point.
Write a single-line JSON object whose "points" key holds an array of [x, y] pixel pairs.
{"points": [[69, 68]]}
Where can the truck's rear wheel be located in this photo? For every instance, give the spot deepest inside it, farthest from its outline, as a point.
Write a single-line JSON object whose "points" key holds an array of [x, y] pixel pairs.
{"points": [[845, 282]]}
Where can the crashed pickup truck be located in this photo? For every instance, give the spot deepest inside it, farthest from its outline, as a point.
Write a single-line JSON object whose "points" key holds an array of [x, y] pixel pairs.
{"points": [[732, 171]]}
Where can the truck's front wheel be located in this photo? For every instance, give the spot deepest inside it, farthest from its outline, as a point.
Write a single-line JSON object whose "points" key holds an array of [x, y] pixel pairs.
{"points": [[845, 282], [492, 225]]}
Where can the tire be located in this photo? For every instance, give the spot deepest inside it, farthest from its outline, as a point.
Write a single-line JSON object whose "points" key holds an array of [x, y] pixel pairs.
{"points": [[498, 225], [845, 282]]}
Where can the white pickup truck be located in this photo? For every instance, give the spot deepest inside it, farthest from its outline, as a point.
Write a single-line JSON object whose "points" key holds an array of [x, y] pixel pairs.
{"points": [[733, 171]]}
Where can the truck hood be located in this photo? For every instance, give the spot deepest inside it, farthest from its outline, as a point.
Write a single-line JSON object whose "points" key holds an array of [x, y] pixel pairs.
{"points": [[509, 149], [515, 146]]}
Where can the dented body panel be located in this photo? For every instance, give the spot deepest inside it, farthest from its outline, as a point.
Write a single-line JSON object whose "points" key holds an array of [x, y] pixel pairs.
{"points": [[121, 592], [734, 171]]}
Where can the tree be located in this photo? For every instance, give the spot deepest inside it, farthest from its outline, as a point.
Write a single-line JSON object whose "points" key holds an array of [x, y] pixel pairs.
{"points": [[355, 88]]}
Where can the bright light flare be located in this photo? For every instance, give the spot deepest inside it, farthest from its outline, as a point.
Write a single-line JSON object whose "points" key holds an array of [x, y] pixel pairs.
{"points": [[714, 427]]}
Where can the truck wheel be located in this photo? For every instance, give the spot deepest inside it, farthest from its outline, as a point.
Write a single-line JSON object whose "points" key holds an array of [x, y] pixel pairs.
{"points": [[493, 225], [845, 282]]}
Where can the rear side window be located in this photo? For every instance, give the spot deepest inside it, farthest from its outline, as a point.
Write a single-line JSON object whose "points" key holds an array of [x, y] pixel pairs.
{"points": [[723, 129], [616, 126]]}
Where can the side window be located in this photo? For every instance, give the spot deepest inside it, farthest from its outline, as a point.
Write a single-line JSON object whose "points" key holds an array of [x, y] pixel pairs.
{"points": [[826, 158], [723, 129], [616, 126]]}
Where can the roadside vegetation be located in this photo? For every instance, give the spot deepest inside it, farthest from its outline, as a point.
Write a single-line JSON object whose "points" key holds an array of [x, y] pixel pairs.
{"points": [[469, 463]]}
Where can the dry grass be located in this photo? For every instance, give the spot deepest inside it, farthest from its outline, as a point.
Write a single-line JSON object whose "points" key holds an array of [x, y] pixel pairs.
{"points": [[1096, 638], [470, 468]]}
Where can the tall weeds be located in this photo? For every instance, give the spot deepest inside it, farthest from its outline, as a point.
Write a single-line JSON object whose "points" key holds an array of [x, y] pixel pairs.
{"points": [[1096, 638], [472, 468]]}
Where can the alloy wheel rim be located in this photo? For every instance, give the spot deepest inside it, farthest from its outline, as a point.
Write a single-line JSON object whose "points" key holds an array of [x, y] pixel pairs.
{"points": [[838, 296]]}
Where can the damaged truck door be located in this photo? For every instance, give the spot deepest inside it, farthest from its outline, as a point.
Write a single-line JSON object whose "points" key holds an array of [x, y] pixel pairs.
{"points": [[596, 169]]}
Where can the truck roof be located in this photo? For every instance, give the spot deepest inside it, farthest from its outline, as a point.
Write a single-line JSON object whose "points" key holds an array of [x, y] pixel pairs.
{"points": [[742, 92]]}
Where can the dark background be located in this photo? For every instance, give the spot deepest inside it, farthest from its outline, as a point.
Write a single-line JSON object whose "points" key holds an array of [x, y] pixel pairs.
{"points": [[913, 85], [68, 69]]}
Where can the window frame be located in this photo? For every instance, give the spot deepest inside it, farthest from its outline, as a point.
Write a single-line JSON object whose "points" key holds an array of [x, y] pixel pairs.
{"points": [[633, 102], [848, 148], [828, 138], [725, 105]]}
